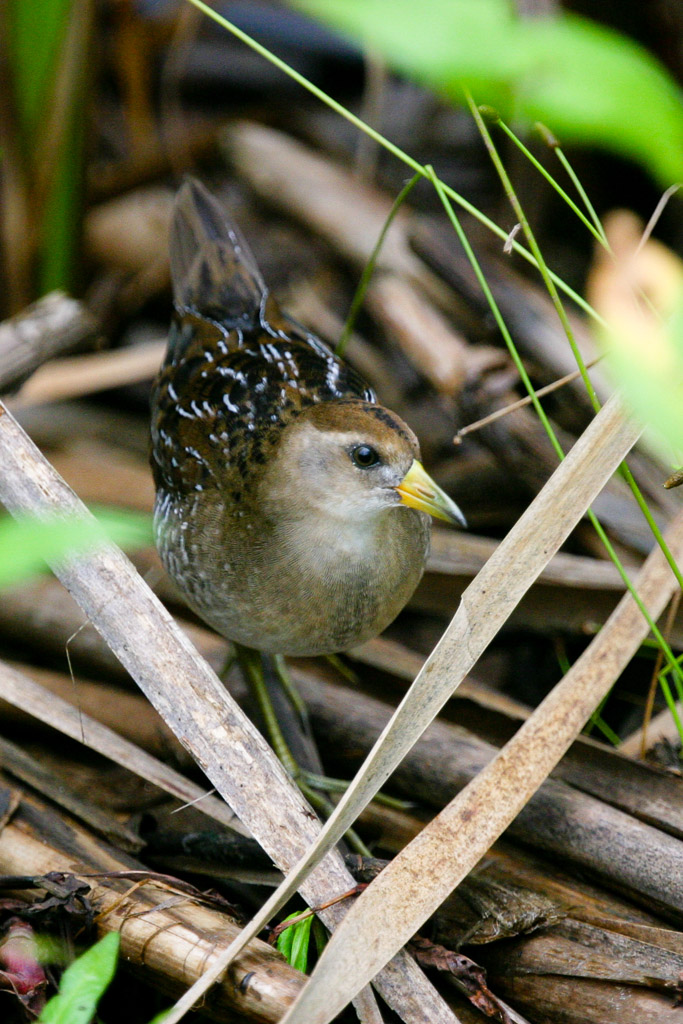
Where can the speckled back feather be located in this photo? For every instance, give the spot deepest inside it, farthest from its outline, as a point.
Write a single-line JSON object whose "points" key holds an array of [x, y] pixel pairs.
{"points": [[237, 369]]}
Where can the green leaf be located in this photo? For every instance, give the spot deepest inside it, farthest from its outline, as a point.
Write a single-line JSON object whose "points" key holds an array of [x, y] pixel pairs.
{"points": [[302, 937], [27, 544], [83, 983], [294, 941], [588, 84], [596, 86]]}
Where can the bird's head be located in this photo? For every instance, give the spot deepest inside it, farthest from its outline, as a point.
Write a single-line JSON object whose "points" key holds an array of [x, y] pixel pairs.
{"points": [[351, 459]]}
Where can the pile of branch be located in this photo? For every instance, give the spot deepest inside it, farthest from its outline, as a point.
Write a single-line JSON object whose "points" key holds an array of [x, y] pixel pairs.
{"points": [[563, 945]]}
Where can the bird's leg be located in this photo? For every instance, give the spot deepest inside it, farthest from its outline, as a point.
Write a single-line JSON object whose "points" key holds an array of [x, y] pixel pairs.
{"points": [[314, 777], [253, 668], [293, 695], [344, 670]]}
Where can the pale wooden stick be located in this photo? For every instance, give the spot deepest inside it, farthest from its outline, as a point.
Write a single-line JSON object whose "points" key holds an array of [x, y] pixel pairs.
{"points": [[522, 402], [84, 375], [50, 327], [192, 701]]}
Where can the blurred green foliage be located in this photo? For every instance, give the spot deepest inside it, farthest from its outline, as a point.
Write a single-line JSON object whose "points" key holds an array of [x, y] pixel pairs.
{"points": [[48, 40], [589, 84], [26, 545], [646, 355]]}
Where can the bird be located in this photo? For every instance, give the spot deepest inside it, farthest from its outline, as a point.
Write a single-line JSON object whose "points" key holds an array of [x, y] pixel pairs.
{"points": [[292, 510]]}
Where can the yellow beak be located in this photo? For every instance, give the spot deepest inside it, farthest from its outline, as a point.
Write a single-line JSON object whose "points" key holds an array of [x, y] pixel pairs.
{"points": [[418, 490]]}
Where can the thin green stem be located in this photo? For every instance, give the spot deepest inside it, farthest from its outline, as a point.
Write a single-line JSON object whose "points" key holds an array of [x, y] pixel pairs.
{"points": [[534, 247], [671, 704], [668, 654], [533, 257], [623, 469], [390, 147], [552, 142], [362, 288], [584, 195], [678, 682], [598, 231], [656, 632], [656, 532], [607, 731], [595, 719], [551, 181], [564, 320]]}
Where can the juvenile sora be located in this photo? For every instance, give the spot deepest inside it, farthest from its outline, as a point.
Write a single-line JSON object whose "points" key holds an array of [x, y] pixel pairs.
{"points": [[291, 508]]}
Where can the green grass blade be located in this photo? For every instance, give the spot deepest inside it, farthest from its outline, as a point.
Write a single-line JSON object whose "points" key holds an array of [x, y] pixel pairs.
{"points": [[362, 288]]}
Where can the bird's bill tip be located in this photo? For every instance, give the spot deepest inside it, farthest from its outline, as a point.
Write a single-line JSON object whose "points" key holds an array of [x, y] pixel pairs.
{"points": [[418, 490]]}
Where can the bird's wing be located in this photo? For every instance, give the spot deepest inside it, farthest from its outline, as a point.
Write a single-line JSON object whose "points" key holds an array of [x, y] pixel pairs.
{"points": [[237, 369], [212, 268]]}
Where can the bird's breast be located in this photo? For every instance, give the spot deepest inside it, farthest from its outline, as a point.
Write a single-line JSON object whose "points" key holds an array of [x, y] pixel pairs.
{"points": [[354, 578], [298, 589]]}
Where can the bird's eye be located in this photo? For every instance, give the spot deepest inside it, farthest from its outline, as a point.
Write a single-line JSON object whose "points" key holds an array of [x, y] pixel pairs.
{"points": [[364, 456]]}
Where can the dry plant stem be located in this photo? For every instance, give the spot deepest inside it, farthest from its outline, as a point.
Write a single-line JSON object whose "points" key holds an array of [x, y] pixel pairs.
{"points": [[589, 1001], [192, 701], [539, 393], [433, 864], [619, 820], [21, 691], [84, 375], [50, 327], [641, 979], [636, 859], [32, 771], [485, 606], [320, 194], [422, 333]]}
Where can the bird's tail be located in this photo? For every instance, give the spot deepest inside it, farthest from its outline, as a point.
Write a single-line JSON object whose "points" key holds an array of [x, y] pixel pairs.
{"points": [[212, 267]]}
